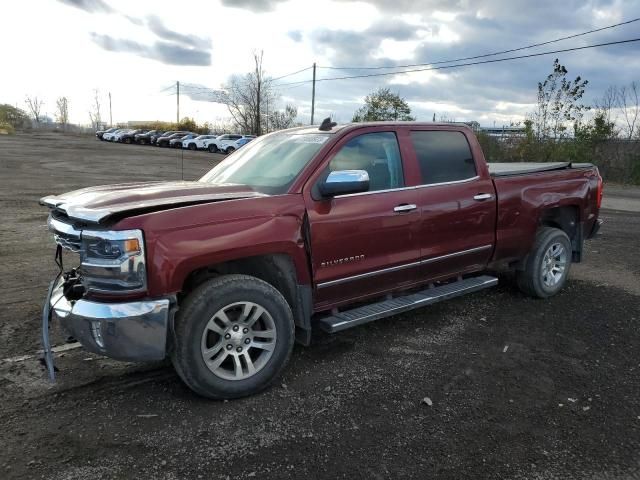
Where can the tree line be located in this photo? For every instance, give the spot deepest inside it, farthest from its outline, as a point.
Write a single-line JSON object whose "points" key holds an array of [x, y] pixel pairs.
{"points": [[558, 129]]}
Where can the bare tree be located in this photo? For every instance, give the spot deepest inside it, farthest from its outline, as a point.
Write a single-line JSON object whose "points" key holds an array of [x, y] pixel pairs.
{"points": [[281, 119], [248, 96], [606, 105], [35, 106], [628, 102], [62, 111], [221, 126], [94, 112], [558, 103]]}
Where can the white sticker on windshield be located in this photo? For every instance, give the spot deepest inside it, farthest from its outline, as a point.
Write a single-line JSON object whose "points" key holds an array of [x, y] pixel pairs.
{"points": [[311, 139]]}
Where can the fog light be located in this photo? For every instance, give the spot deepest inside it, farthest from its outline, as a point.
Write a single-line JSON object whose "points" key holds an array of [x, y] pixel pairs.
{"points": [[96, 331]]}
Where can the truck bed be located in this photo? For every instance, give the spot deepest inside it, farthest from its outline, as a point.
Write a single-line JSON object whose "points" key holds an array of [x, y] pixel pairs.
{"points": [[524, 168]]}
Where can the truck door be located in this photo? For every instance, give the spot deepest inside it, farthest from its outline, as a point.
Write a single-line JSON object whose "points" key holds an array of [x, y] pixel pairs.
{"points": [[457, 205], [364, 243]]}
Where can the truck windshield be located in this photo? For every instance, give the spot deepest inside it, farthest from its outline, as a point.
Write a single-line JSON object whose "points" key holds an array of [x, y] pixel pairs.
{"points": [[268, 164]]}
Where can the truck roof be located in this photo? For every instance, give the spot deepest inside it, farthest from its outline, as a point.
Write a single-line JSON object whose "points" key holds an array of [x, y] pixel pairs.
{"points": [[390, 123]]}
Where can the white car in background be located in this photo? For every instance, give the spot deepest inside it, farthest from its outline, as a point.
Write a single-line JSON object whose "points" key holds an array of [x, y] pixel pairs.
{"points": [[110, 137], [223, 142], [238, 143], [198, 143]]}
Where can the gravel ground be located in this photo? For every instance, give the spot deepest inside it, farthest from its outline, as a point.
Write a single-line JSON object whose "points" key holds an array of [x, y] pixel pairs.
{"points": [[517, 388]]}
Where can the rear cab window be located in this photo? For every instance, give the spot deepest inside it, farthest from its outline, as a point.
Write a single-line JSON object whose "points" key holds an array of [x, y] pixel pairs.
{"points": [[443, 156]]}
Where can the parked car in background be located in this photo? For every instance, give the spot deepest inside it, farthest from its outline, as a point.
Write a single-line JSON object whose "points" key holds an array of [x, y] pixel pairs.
{"points": [[108, 137], [130, 136], [145, 138], [153, 139], [177, 142], [164, 140], [221, 143], [237, 144], [117, 136], [223, 274], [198, 143], [100, 133]]}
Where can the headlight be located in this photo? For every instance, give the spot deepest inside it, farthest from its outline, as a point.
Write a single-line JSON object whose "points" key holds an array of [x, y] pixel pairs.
{"points": [[113, 261]]}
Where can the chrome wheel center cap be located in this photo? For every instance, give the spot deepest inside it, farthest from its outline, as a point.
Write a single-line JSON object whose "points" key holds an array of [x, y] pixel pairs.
{"points": [[237, 338]]}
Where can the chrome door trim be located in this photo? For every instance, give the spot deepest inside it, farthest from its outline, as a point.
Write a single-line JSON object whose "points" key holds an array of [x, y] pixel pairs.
{"points": [[455, 254], [371, 192], [360, 276], [426, 261], [454, 182], [415, 187]]}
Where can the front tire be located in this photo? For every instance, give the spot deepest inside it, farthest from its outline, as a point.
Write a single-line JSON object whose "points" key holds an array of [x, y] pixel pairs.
{"points": [[192, 146], [233, 336], [230, 150], [547, 266]]}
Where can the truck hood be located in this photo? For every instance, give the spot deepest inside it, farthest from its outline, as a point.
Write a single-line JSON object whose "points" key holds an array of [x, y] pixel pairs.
{"points": [[97, 204]]}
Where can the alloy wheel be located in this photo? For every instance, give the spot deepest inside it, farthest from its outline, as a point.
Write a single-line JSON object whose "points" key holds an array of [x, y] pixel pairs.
{"points": [[238, 340], [554, 263]]}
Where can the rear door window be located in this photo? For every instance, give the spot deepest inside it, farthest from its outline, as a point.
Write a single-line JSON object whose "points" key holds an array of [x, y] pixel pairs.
{"points": [[443, 156]]}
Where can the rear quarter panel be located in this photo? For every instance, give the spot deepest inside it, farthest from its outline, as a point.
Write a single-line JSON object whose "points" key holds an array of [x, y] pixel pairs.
{"points": [[522, 199]]}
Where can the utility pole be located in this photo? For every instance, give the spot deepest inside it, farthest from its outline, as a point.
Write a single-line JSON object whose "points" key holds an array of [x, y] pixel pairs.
{"points": [[313, 93], [267, 116], [177, 104], [110, 115], [259, 78]]}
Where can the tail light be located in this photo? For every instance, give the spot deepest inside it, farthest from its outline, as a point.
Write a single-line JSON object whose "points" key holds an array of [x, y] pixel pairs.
{"points": [[599, 191]]}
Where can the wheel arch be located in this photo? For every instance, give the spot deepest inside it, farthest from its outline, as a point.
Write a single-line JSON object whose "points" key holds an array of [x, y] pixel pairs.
{"points": [[567, 219], [276, 269]]}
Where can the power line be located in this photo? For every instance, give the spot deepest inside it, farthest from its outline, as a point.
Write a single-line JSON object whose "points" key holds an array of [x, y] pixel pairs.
{"points": [[170, 87], [291, 74], [208, 89], [487, 54], [443, 67]]}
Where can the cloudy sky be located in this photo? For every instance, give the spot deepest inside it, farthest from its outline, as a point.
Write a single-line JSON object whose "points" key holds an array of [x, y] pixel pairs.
{"points": [[137, 51]]}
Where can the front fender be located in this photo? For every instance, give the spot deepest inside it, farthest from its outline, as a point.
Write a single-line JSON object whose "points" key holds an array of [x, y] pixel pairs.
{"points": [[181, 240]]}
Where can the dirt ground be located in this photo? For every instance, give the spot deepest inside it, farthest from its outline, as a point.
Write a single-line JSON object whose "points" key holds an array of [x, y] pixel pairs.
{"points": [[519, 388]]}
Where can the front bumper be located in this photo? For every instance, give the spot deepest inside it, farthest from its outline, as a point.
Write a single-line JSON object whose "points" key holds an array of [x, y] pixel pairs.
{"points": [[131, 331]]}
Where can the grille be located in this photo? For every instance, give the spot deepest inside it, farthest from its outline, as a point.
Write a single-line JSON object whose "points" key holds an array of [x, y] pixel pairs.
{"points": [[65, 235], [68, 242]]}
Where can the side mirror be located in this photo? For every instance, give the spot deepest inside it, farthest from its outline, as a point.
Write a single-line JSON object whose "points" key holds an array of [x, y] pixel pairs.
{"points": [[342, 182]]}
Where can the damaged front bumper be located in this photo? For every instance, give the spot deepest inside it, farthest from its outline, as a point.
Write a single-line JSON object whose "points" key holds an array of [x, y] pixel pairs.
{"points": [[131, 331]]}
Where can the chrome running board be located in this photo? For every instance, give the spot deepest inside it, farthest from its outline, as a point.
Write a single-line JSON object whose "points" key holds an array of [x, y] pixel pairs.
{"points": [[375, 311]]}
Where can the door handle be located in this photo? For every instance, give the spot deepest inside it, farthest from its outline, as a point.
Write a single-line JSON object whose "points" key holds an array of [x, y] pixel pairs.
{"points": [[405, 207], [482, 196]]}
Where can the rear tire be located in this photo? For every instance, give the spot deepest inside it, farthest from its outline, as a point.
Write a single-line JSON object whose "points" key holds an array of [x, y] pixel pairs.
{"points": [[192, 146], [547, 266], [230, 150], [213, 148], [233, 336]]}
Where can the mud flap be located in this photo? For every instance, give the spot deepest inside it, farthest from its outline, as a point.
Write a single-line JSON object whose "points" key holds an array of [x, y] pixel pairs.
{"points": [[46, 343]]}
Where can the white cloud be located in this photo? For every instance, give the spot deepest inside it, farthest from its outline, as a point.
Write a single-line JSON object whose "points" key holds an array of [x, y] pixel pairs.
{"points": [[51, 53]]}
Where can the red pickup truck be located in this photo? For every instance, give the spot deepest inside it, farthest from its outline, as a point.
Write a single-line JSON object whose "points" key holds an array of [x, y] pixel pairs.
{"points": [[315, 227]]}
